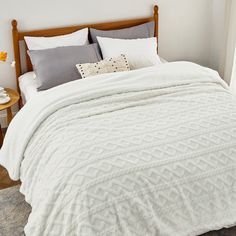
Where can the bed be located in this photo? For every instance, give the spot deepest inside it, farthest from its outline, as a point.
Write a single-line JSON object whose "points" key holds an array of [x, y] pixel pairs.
{"points": [[24, 68], [149, 151]]}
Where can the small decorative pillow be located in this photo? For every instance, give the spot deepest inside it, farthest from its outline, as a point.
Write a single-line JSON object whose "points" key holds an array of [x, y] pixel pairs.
{"points": [[108, 65]]}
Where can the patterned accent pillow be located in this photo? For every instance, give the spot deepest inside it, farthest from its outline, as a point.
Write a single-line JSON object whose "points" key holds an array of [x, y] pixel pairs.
{"points": [[108, 65]]}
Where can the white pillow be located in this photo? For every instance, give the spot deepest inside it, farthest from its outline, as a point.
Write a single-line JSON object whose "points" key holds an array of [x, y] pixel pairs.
{"points": [[77, 38], [139, 52]]}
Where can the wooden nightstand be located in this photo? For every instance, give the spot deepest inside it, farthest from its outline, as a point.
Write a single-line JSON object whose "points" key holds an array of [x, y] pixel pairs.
{"points": [[14, 95]]}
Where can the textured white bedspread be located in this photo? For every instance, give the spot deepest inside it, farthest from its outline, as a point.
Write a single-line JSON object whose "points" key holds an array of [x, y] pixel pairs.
{"points": [[150, 152]]}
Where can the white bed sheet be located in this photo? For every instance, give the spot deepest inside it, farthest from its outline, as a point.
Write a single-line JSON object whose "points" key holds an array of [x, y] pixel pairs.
{"points": [[28, 86]]}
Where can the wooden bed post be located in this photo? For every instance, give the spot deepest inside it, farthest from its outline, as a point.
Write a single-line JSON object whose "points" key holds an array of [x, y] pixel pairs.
{"points": [[156, 17], [16, 48]]}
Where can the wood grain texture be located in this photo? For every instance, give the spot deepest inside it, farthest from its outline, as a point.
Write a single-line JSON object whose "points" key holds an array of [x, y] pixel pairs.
{"points": [[5, 181], [14, 95], [19, 36], [16, 48]]}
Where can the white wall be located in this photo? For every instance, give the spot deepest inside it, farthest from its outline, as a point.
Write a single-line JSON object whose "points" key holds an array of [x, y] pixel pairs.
{"points": [[184, 24], [218, 39], [231, 42], [223, 37]]}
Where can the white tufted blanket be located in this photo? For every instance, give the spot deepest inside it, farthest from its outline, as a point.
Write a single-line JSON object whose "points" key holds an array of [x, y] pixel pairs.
{"points": [[150, 152]]}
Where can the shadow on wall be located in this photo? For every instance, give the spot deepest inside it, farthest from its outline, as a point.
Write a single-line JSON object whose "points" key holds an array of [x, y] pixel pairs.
{"points": [[233, 77]]}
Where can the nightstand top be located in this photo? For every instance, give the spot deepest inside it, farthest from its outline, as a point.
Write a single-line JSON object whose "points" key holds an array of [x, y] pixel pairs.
{"points": [[14, 95]]}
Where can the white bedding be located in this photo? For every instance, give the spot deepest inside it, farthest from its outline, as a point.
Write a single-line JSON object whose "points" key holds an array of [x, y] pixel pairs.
{"points": [[146, 152], [28, 86]]}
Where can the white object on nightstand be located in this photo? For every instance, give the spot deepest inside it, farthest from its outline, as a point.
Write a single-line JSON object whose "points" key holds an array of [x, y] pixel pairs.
{"points": [[4, 97], [1, 90]]}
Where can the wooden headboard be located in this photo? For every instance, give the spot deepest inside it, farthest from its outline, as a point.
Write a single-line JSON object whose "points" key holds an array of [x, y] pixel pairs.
{"points": [[18, 36]]}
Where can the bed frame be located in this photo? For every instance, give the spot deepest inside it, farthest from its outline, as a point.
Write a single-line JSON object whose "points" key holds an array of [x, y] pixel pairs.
{"points": [[18, 36]]}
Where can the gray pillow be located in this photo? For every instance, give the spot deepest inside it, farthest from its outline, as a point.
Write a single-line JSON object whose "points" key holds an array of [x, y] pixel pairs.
{"points": [[58, 65], [141, 31]]}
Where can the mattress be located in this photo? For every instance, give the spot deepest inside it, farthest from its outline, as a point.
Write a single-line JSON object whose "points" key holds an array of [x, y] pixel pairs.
{"points": [[28, 86]]}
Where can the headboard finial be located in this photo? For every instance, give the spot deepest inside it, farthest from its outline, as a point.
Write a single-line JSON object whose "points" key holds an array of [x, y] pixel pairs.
{"points": [[156, 8], [14, 24]]}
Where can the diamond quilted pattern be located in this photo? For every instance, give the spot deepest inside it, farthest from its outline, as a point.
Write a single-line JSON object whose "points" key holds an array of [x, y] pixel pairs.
{"points": [[148, 162]]}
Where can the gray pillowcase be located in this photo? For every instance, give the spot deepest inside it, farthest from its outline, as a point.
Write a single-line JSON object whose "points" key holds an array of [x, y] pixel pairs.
{"points": [[141, 31], [58, 65]]}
